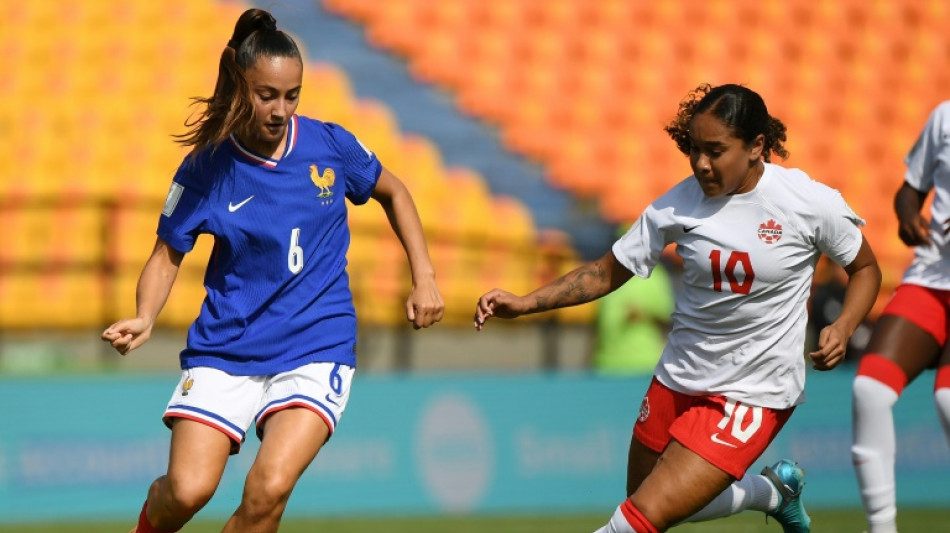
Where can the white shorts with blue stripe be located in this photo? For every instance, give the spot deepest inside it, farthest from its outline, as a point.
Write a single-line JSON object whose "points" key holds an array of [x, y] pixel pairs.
{"points": [[231, 404]]}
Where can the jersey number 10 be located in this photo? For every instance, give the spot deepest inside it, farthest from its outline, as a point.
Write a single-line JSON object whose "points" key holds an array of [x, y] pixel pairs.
{"points": [[735, 258]]}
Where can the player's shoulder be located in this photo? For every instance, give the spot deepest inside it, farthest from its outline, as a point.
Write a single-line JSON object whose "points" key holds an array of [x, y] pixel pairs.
{"points": [[200, 169], [942, 109], [940, 117], [796, 182], [313, 126], [684, 194]]}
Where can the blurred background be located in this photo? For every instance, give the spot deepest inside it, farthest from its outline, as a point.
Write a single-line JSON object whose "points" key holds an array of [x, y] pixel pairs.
{"points": [[528, 131]]}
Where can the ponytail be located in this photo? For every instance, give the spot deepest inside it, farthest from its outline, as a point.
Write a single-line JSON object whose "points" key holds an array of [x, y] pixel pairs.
{"points": [[230, 107], [740, 108]]}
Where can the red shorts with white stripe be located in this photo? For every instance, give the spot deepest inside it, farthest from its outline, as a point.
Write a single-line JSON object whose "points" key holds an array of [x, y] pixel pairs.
{"points": [[729, 434], [926, 308], [231, 403]]}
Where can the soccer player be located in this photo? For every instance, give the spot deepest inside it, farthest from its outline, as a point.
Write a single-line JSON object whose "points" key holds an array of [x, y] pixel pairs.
{"points": [[749, 234], [911, 334], [274, 343]]}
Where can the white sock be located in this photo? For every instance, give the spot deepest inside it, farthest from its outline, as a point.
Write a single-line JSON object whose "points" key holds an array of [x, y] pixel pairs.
{"points": [[942, 400], [752, 492], [873, 449], [618, 524]]}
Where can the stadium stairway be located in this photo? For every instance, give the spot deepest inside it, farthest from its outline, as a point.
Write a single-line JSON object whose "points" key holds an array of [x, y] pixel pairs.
{"points": [[419, 108]]}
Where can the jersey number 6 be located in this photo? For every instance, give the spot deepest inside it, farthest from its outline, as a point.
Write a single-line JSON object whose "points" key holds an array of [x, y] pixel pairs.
{"points": [[734, 259], [295, 254]]}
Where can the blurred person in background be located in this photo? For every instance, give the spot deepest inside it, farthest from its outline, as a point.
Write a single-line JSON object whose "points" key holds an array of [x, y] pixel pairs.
{"points": [[749, 234], [911, 333], [632, 324], [275, 341]]}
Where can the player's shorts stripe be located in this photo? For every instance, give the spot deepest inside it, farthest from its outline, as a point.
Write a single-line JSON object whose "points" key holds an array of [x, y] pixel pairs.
{"points": [[303, 401], [208, 416]]}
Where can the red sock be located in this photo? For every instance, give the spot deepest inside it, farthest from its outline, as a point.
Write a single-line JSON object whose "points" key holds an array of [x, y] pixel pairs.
{"points": [[637, 521], [145, 527]]}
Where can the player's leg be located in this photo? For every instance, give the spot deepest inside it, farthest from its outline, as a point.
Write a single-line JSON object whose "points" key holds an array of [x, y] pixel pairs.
{"points": [[293, 438], [681, 483], [207, 414], [942, 391], [297, 416], [196, 461], [723, 435], [906, 340]]}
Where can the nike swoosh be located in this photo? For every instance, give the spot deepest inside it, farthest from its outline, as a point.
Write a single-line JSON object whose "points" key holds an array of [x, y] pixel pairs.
{"points": [[232, 207], [687, 229], [715, 438], [331, 400]]}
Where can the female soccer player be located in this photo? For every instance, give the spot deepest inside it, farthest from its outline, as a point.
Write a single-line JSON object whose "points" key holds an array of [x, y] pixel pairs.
{"points": [[749, 234], [274, 343], [911, 334]]}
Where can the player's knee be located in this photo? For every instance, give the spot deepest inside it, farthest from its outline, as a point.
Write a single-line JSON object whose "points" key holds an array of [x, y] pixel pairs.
{"points": [[188, 496], [267, 491], [870, 393]]}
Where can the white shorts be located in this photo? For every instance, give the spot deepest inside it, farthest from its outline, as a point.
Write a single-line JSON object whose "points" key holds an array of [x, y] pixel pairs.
{"points": [[231, 403]]}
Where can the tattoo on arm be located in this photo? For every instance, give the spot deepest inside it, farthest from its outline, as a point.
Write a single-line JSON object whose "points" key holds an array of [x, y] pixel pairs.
{"points": [[584, 284]]}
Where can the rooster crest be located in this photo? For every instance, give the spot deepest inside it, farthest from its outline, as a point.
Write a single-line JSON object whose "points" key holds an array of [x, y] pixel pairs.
{"points": [[323, 181]]}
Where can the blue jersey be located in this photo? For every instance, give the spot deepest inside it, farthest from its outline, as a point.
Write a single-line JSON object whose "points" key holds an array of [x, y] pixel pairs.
{"points": [[278, 295]]}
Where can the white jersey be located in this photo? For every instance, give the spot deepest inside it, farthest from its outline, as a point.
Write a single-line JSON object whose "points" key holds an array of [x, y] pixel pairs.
{"points": [[928, 167], [748, 260]]}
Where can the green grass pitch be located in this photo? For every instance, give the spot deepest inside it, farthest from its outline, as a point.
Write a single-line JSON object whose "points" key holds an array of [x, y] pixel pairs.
{"points": [[845, 521]]}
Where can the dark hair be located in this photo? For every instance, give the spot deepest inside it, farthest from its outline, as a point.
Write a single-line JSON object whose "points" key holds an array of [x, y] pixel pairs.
{"points": [[739, 107], [230, 108]]}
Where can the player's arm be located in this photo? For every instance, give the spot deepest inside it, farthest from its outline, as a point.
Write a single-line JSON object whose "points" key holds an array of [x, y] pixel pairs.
{"points": [[154, 286], [913, 227], [585, 283], [864, 284], [424, 306]]}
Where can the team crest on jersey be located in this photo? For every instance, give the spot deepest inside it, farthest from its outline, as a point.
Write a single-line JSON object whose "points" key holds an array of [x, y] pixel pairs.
{"points": [[644, 410], [323, 181], [187, 385], [770, 231]]}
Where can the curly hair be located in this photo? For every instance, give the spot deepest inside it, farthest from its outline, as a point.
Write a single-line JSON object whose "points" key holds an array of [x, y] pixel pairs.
{"points": [[739, 107]]}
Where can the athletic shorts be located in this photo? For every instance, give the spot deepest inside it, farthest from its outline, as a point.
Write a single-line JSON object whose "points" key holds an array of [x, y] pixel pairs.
{"points": [[926, 308], [729, 434], [231, 404]]}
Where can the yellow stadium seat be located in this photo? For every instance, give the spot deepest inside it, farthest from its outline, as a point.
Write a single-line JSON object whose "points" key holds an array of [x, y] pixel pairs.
{"points": [[328, 95], [65, 300]]}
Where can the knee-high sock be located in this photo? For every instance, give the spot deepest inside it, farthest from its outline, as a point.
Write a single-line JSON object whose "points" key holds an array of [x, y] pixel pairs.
{"points": [[628, 519], [873, 449], [942, 398], [752, 492]]}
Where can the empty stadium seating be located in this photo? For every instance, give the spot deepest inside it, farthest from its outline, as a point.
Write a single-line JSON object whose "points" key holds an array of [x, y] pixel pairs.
{"points": [[86, 154], [585, 87]]}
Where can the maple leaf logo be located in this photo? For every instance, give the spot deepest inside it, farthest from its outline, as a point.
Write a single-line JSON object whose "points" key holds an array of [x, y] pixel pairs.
{"points": [[770, 231]]}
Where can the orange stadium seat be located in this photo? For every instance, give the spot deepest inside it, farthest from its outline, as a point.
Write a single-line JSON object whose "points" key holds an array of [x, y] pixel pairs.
{"points": [[827, 69]]}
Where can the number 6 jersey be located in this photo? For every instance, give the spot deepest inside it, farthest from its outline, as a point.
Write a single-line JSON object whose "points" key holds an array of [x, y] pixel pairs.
{"points": [[278, 295], [748, 261]]}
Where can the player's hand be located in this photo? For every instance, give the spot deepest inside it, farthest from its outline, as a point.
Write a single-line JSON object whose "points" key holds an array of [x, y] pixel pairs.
{"points": [[127, 335], [914, 230], [832, 345], [424, 307], [498, 303]]}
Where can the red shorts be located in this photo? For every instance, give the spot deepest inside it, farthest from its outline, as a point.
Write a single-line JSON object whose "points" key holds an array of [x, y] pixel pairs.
{"points": [[727, 433], [926, 308]]}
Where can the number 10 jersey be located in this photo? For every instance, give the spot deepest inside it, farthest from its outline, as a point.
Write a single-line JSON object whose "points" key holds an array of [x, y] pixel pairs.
{"points": [[748, 262]]}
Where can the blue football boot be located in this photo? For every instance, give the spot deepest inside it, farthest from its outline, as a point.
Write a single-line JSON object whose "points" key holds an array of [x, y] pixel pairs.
{"points": [[788, 479]]}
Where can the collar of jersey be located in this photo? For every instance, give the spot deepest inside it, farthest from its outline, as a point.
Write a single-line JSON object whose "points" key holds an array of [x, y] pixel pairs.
{"points": [[267, 161]]}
